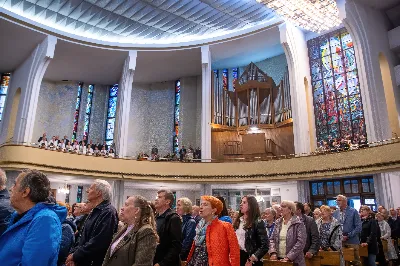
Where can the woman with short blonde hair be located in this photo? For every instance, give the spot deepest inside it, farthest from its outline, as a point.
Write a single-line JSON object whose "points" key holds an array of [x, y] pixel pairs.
{"points": [[289, 237], [184, 209]]}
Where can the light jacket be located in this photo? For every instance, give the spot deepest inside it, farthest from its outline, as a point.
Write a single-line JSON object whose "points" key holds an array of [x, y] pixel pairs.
{"points": [[336, 240], [351, 224], [295, 240], [137, 248], [222, 245], [35, 239]]}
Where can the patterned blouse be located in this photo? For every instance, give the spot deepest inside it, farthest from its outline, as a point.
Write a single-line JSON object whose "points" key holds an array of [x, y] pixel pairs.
{"points": [[324, 235], [200, 256]]}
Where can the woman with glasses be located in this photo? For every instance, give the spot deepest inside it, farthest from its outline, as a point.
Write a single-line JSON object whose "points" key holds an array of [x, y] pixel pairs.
{"points": [[251, 233], [289, 237], [330, 232], [269, 220]]}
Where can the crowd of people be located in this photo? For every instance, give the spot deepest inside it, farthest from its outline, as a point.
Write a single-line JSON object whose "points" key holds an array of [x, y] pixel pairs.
{"points": [[84, 146], [36, 230], [184, 155], [342, 144]]}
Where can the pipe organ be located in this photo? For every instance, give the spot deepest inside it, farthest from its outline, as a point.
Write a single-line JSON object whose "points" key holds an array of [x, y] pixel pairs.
{"points": [[255, 101]]}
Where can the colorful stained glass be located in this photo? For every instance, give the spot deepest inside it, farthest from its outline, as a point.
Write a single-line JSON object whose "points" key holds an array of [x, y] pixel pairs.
{"points": [[313, 49], [327, 67], [235, 73], [324, 46], [110, 129], [225, 79], [88, 111], [350, 60], [337, 63], [4, 82], [347, 41], [77, 108], [352, 83], [176, 116], [340, 85], [316, 70], [111, 113], [336, 91], [318, 92]]}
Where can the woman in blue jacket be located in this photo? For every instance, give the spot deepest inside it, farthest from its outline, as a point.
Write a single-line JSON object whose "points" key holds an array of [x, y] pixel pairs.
{"points": [[184, 209]]}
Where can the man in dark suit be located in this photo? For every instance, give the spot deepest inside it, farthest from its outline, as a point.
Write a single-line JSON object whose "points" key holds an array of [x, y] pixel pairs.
{"points": [[169, 229], [312, 243]]}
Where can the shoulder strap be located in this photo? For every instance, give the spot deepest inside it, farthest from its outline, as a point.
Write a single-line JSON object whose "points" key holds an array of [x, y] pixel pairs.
{"points": [[333, 231]]}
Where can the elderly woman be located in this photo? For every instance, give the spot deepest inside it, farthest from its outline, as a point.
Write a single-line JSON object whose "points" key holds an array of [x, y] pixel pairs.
{"points": [[215, 242], [330, 232], [184, 209], [289, 236], [369, 234], [269, 219], [390, 254], [136, 243], [317, 214], [251, 233]]}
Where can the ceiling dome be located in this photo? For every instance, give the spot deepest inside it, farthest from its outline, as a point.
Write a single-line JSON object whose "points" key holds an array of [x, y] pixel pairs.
{"points": [[144, 21]]}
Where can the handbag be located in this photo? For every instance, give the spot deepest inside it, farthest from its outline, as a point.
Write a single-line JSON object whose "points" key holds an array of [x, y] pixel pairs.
{"points": [[330, 237]]}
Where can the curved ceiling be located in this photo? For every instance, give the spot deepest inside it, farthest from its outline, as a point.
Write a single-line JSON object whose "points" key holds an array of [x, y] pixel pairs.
{"points": [[144, 21]]}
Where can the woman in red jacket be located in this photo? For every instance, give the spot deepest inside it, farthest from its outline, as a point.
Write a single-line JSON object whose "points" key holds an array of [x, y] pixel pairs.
{"points": [[215, 243]]}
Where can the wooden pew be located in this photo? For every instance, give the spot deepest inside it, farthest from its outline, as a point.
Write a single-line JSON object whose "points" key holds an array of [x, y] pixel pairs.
{"points": [[314, 261], [183, 263], [276, 263], [348, 255], [329, 257], [363, 251]]}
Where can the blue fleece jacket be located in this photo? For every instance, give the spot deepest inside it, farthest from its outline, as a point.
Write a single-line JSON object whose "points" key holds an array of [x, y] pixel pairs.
{"points": [[33, 240]]}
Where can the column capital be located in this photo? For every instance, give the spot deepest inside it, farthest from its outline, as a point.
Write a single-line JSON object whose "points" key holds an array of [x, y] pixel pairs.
{"points": [[205, 54]]}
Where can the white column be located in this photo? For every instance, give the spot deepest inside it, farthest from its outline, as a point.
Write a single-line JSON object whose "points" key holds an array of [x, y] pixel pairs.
{"points": [[205, 189], [124, 104], [206, 103], [118, 193], [28, 77], [387, 189], [295, 47]]}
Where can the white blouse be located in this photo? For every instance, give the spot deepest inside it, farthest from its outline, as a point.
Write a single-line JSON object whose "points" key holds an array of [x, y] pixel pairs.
{"points": [[241, 235]]}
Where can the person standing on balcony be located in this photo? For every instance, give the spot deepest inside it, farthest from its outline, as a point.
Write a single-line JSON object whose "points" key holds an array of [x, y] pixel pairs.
{"points": [[350, 220]]}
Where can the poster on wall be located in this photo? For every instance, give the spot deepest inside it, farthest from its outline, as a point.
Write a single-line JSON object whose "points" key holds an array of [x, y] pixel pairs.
{"points": [[275, 200]]}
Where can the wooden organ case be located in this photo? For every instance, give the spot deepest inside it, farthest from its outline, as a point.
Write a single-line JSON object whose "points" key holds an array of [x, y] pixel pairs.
{"points": [[255, 103]]}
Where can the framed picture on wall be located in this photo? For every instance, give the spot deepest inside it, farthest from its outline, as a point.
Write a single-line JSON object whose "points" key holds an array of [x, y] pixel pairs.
{"points": [[276, 200], [198, 202]]}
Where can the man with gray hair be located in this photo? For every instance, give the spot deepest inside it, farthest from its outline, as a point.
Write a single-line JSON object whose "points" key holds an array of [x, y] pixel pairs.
{"points": [[98, 229], [5, 206], [351, 225], [33, 236]]}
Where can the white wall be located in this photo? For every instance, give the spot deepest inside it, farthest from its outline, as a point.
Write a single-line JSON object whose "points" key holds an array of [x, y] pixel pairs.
{"points": [[190, 112], [151, 117]]}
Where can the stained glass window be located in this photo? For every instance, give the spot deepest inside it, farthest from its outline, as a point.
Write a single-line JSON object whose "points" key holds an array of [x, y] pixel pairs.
{"points": [[88, 111], [77, 107], [111, 113], [4, 82], [234, 77], [336, 89], [225, 79], [176, 116]]}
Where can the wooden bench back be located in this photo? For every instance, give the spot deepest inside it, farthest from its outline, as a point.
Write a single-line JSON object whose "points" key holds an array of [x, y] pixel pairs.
{"points": [[314, 261], [348, 254], [329, 257], [363, 251], [276, 263]]}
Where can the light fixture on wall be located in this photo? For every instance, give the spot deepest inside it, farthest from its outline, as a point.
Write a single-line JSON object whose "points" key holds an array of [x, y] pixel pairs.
{"points": [[63, 190], [312, 15]]}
